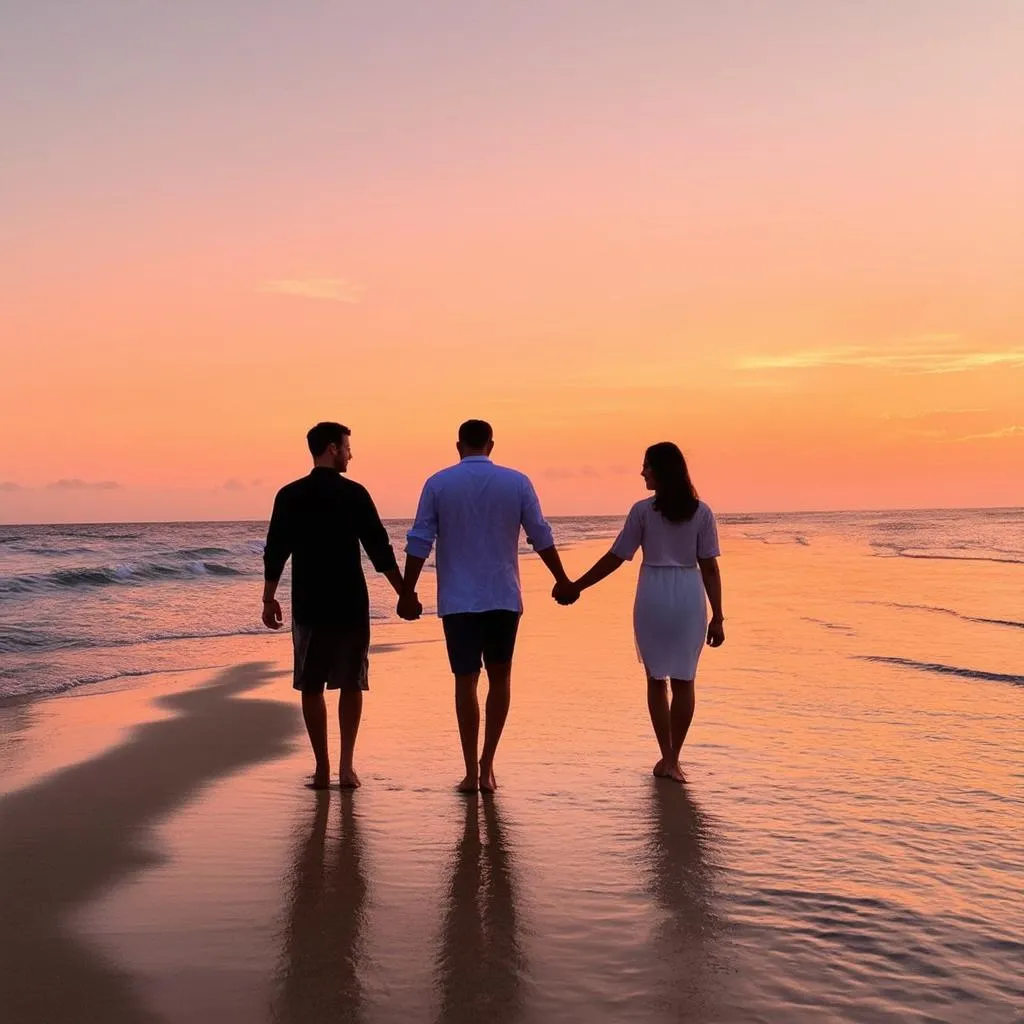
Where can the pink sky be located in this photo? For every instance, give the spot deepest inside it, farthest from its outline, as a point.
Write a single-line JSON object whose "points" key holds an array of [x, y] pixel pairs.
{"points": [[789, 237]]}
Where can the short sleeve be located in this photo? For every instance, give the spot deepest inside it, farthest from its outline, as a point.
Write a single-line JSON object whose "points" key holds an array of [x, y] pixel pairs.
{"points": [[707, 535], [631, 535]]}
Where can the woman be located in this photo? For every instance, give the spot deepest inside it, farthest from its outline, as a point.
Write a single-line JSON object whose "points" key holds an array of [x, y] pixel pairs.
{"points": [[679, 538]]}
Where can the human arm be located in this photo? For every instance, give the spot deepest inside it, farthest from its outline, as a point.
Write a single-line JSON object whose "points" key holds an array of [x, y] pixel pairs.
{"points": [[707, 558], [539, 534], [409, 606], [275, 553], [551, 558], [712, 577], [419, 543], [376, 543], [622, 550], [604, 566]]}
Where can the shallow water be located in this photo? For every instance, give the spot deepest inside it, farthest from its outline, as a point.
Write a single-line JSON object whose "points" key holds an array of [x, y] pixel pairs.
{"points": [[848, 846]]}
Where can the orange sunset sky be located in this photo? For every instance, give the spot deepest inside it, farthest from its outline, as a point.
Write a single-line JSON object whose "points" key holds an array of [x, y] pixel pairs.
{"points": [[788, 236]]}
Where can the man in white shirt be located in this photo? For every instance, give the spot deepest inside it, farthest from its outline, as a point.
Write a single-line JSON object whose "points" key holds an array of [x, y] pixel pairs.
{"points": [[474, 510]]}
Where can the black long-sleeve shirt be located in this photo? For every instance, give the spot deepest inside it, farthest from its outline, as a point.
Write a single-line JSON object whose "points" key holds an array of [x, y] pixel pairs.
{"points": [[320, 522]]}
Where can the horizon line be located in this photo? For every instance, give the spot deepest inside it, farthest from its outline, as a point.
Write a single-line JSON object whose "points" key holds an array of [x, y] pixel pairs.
{"points": [[580, 515]]}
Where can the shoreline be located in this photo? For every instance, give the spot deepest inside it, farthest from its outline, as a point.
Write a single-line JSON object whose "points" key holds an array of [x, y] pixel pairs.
{"points": [[734, 516], [163, 862]]}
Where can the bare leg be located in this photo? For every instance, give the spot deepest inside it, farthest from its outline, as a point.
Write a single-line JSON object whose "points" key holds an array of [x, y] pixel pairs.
{"points": [[314, 714], [684, 700], [467, 710], [657, 705], [350, 711], [499, 695]]}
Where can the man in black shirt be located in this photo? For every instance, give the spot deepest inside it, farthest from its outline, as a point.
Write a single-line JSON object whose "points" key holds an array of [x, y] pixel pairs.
{"points": [[320, 521]]}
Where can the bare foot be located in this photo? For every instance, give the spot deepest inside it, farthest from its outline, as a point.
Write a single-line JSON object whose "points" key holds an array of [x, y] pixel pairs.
{"points": [[659, 770], [470, 784], [674, 772], [348, 779], [488, 783], [320, 780]]}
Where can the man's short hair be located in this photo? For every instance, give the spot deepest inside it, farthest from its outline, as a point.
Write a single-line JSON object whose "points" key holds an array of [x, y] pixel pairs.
{"points": [[475, 434], [324, 434]]}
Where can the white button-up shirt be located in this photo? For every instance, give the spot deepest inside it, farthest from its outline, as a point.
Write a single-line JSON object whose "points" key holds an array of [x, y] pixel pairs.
{"points": [[474, 510]]}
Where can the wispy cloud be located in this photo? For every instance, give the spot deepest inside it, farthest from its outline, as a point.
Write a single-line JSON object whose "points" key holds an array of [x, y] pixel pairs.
{"points": [[925, 354], [9, 485], [1000, 433], [930, 415], [331, 289], [75, 484], [235, 484]]}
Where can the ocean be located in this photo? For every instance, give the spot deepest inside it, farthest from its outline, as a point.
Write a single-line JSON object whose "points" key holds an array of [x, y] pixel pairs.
{"points": [[848, 846], [93, 603]]}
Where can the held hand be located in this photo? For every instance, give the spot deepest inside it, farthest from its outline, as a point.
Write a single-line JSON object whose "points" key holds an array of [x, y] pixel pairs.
{"points": [[272, 617], [565, 592], [716, 633], [409, 607]]}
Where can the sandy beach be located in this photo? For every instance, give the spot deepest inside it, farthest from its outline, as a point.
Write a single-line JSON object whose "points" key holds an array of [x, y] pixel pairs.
{"points": [[844, 848]]}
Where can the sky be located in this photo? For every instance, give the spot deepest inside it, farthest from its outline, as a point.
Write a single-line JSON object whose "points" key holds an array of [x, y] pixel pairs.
{"points": [[788, 236]]}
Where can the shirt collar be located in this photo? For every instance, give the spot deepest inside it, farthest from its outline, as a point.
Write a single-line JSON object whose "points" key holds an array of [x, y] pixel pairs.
{"points": [[475, 458]]}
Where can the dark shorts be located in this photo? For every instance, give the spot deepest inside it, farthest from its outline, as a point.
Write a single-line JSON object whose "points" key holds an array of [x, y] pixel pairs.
{"points": [[475, 637], [335, 656]]}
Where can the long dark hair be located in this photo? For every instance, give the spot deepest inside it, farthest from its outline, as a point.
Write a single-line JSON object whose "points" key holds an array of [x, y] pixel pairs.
{"points": [[675, 497]]}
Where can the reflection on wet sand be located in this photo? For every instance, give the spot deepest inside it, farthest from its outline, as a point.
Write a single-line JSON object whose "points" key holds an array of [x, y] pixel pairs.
{"points": [[480, 963], [682, 884], [324, 941], [68, 838]]}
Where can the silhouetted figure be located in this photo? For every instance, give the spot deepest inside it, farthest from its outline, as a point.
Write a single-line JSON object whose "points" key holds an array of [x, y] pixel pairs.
{"points": [[320, 521], [679, 537], [475, 511]]}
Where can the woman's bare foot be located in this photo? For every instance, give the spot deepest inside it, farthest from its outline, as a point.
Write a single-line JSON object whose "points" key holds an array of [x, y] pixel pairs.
{"points": [[348, 779], [470, 784], [674, 772], [320, 780], [659, 770], [488, 783]]}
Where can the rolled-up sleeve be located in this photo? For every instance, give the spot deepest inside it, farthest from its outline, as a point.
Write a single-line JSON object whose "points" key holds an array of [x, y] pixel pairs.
{"points": [[538, 532], [420, 539], [279, 543], [631, 535], [374, 538], [707, 535]]}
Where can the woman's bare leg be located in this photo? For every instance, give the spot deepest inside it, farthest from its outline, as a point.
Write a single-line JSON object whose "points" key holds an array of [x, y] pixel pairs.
{"points": [[657, 705]]}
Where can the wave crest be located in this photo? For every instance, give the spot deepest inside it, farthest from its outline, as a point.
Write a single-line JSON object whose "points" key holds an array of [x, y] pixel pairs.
{"points": [[105, 576]]}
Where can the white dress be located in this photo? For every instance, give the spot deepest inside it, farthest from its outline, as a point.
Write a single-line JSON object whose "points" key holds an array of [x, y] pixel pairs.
{"points": [[670, 615]]}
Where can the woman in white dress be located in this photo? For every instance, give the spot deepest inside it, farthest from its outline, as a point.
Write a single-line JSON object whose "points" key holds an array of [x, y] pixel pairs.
{"points": [[679, 538]]}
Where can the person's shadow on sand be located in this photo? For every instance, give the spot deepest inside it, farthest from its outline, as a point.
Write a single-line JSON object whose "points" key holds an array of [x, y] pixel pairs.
{"points": [[682, 882], [74, 834], [480, 963], [323, 942]]}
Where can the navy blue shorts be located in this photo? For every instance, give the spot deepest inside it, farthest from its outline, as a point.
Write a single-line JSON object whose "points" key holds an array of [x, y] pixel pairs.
{"points": [[473, 638]]}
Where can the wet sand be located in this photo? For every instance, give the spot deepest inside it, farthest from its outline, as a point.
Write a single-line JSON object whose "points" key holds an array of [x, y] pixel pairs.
{"points": [[847, 846]]}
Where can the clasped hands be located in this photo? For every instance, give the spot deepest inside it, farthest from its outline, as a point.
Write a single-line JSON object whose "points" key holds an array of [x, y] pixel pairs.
{"points": [[409, 607], [565, 592]]}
